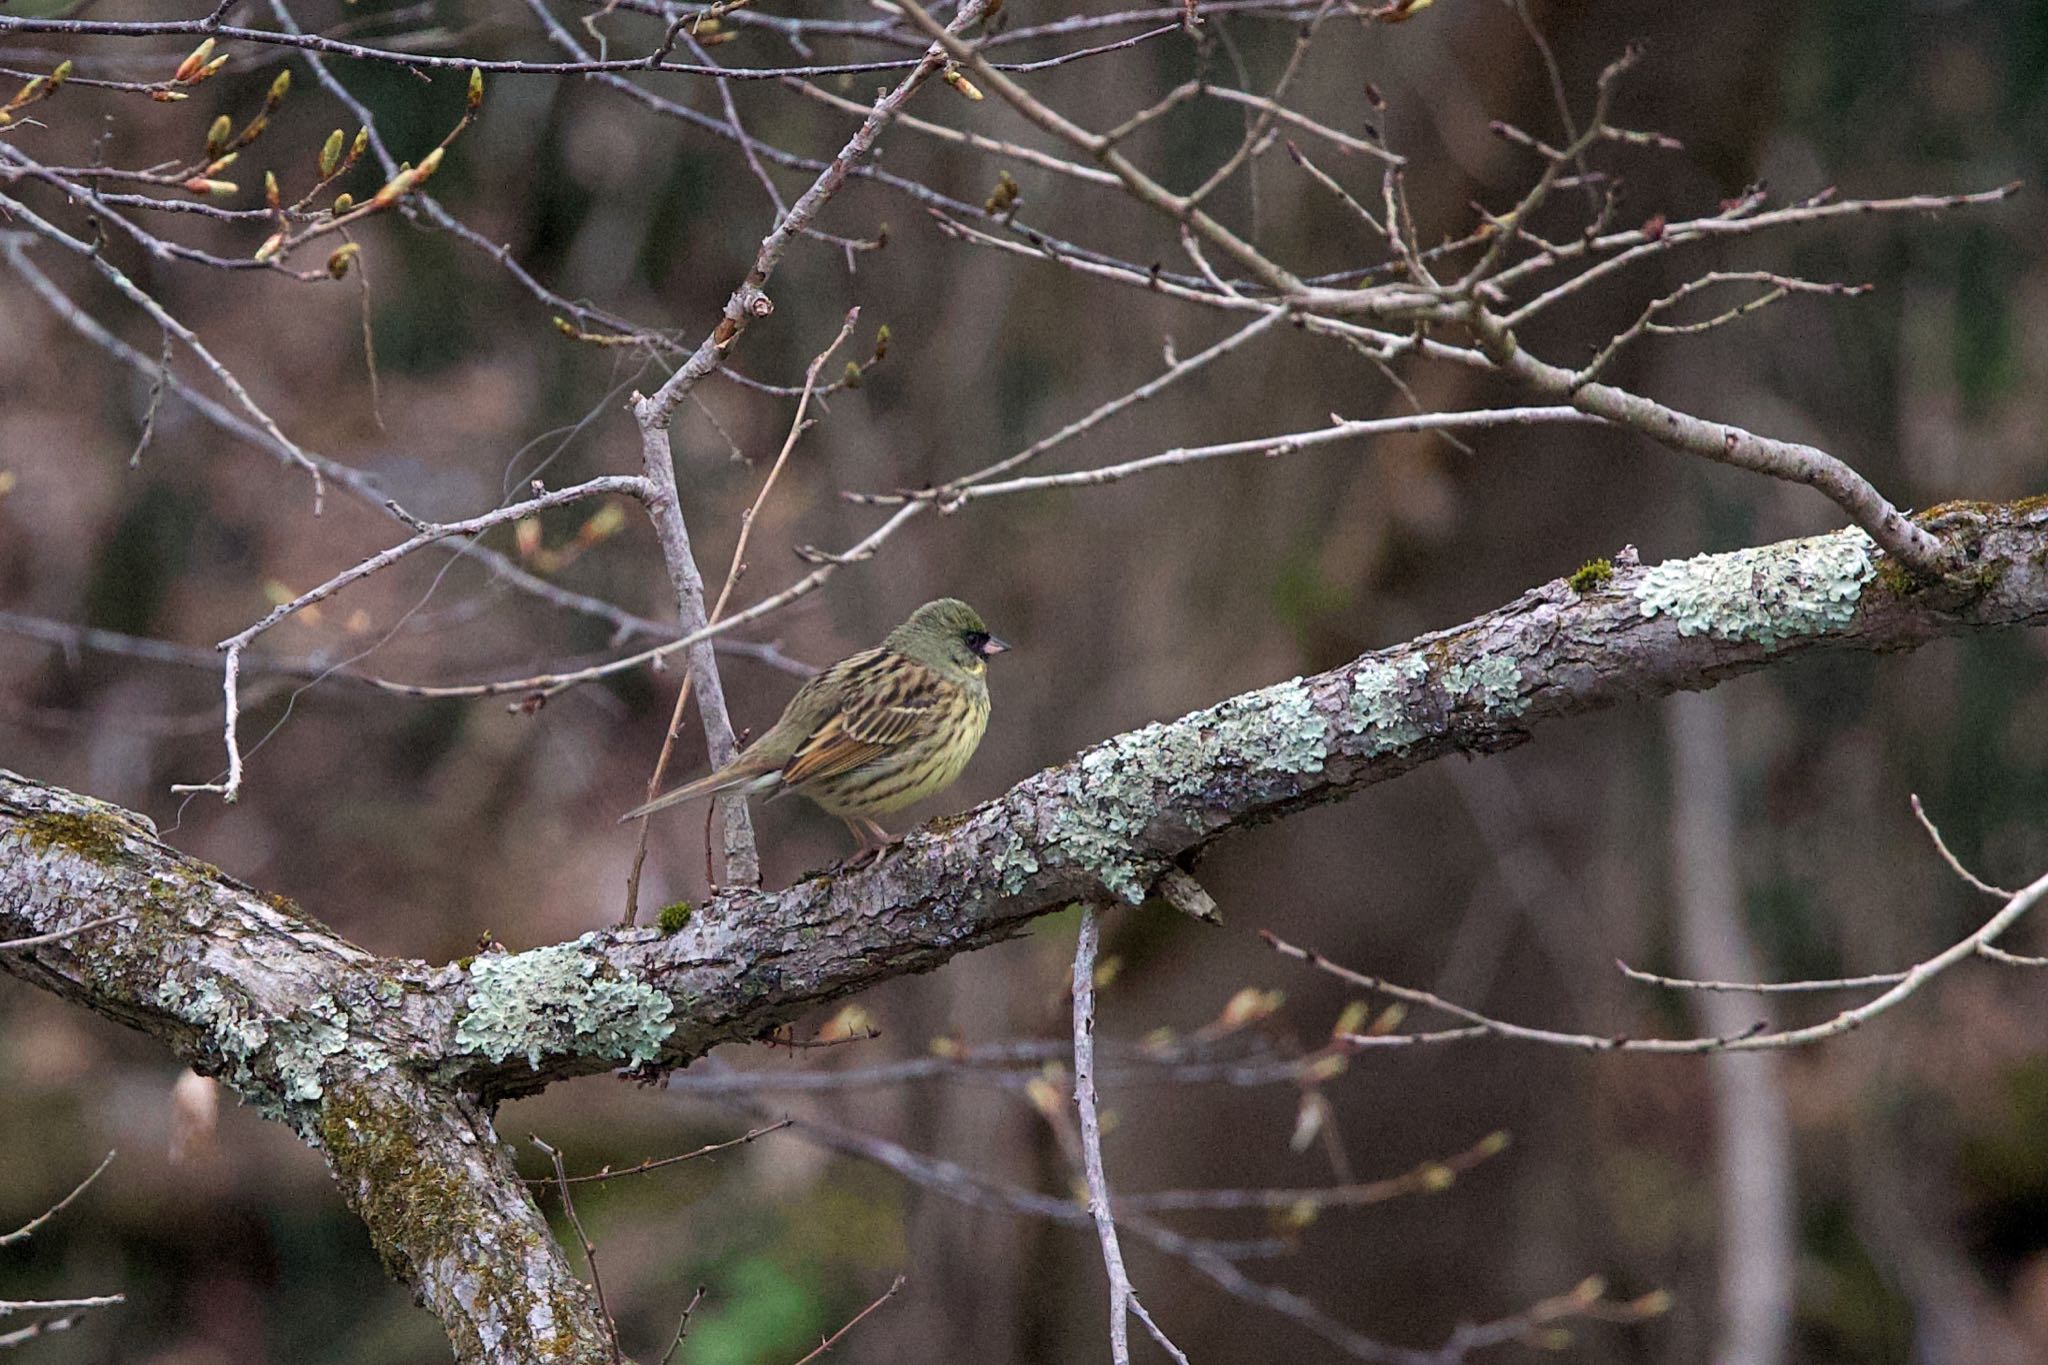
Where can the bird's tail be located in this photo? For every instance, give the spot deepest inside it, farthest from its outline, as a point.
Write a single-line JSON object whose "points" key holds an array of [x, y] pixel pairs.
{"points": [[730, 778]]}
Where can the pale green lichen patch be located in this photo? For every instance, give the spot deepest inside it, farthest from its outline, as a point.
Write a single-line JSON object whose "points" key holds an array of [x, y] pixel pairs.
{"points": [[230, 1031], [1015, 861], [1381, 694], [1494, 681], [1120, 787], [1109, 802], [1768, 595], [302, 1045], [1279, 726], [560, 1000]]}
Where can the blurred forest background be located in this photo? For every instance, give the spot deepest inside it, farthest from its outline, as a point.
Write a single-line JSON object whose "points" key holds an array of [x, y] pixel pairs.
{"points": [[1917, 1149]]}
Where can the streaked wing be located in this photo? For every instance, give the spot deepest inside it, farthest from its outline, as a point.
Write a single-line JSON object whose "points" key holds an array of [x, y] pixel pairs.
{"points": [[885, 702]]}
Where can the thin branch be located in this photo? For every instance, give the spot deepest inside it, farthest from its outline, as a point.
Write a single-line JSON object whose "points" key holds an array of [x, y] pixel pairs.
{"points": [[548, 684], [748, 148], [1647, 325], [741, 864], [11, 1306], [358, 484], [1839, 983], [1016, 151], [47, 1327], [1178, 370], [1264, 112], [428, 533], [657, 1163], [1955, 864], [1907, 983], [27, 1230], [17, 211], [1984, 949], [1344, 196], [15, 945], [1012, 1066], [1740, 218], [797, 427], [1272, 446], [829, 1342], [682, 1326], [72, 638], [589, 1247], [1099, 1203], [1429, 1177], [424, 62], [1274, 110]]}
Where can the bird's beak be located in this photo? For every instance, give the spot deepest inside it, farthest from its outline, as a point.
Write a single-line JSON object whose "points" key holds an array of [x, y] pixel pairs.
{"points": [[994, 646]]}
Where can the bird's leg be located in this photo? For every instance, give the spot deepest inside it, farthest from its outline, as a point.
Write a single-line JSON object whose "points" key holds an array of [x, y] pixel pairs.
{"points": [[873, 839]]}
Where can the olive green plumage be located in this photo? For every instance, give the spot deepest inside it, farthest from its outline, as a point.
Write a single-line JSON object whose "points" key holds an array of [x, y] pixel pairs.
{"points": [[874, 732]]}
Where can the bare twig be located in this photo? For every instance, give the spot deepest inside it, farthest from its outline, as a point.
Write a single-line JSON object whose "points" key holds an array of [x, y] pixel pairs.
{"points": [[589, 1247], [15, 945], [358, 484], [1271, 446], [1906, 984], [27, 1230], [1427, 1178], [797, 426], [1741, 218], [656, 1163], [1777, 287], [422, 62], [742, 863], [1099, 1205], [1178, 370], [1954, 863], [15, 210], [1985, 949], [11, 1306], [682, 1326], [428, 533], [829, 1342]]}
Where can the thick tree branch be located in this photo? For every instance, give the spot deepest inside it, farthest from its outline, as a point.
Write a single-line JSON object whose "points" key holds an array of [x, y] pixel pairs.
{"points": [[320, 1033], [425, 1171], [1115, 818]]}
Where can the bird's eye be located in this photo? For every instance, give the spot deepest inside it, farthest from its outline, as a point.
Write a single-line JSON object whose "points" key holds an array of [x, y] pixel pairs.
{"points": [[976, 641]]}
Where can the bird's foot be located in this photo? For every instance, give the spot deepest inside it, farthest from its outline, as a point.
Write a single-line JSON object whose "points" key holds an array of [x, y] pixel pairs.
{"points": [[874, 841]]}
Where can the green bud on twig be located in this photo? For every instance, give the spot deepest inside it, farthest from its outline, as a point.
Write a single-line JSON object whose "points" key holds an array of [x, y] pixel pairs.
{"points": [[330, 154]]}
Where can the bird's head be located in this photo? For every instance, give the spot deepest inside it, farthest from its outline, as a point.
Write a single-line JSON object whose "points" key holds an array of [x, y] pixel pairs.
{"points": [[947, 635]]}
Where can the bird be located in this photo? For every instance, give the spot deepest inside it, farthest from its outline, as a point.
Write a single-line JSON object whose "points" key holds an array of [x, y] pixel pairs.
{"points": [[875, 732]]}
